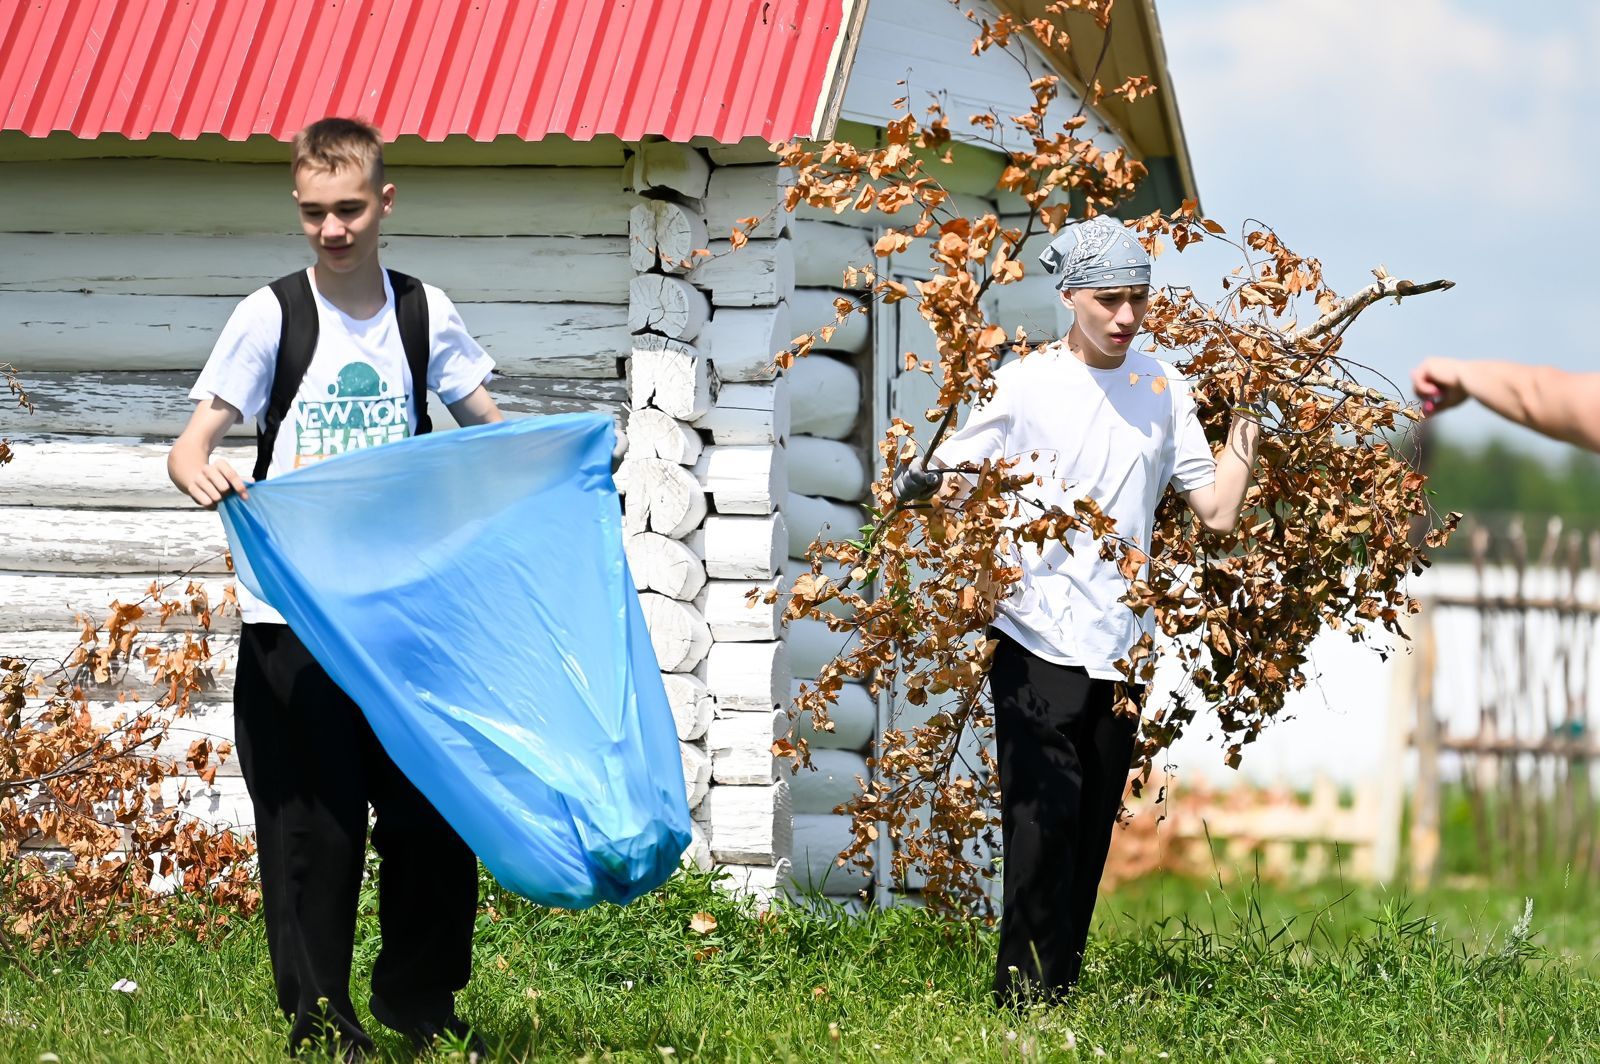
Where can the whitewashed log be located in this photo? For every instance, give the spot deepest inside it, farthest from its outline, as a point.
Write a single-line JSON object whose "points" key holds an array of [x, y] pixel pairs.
{"points": [[738, 192], [49, 600], [854, 718], [667, 305], [654, 433], [72, 331], [47, 539], [823, 251], [47, 653], [749, 414], [744, 480], [752, 676], [696, 772], [691, 701], [733, 617], [824, 397], [157, 404], [809, 517], [812, 310], [740, 745], [677, 632], [664, 235], [812, 644], [671, 376], [663, 565], [96, 471], [829, 468], [760, 273], [749, 825], [738, 153], [742, 548], [818, 841], [670, 165], [165, 196], [764, 883], [741, 343], [223, 803], [698, 853], [829, 782], [212, 721], [660, 496], [559, 269]]}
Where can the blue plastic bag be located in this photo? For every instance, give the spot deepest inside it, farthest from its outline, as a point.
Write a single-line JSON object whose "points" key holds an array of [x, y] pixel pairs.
{"points": [[469, 591]]}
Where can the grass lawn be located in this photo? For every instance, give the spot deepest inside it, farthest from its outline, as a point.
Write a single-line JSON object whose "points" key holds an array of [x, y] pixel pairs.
{"points": [[1178, 971]]}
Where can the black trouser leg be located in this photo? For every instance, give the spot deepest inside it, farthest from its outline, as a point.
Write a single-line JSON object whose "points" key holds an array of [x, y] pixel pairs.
{"points": [[1063, 760], [299, 747], [427, 903]]}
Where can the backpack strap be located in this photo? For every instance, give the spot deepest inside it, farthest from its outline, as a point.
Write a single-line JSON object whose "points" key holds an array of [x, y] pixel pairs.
{"points": [[297, 342], [411, 312]]}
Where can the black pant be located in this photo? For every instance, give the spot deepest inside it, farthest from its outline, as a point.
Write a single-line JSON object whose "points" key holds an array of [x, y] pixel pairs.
{"points": [[312, 765], [1064, 757]]}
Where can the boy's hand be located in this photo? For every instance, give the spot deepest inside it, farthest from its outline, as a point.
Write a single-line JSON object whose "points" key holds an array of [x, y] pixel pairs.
{"points": [[207, 484], [1437, 382]]}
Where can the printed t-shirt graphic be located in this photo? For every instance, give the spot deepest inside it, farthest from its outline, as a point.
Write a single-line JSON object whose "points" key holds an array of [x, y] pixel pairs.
{"points": [[356, 414]]}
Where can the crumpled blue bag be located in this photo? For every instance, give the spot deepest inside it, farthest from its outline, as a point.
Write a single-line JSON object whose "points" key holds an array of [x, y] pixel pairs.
{"points": [[469, 591]]}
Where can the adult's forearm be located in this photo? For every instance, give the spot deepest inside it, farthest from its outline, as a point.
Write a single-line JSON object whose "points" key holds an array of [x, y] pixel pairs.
{"points": [[1528, 395]]}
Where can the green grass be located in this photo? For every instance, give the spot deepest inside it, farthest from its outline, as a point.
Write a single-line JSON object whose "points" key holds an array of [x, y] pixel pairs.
{"points": [[1178, 971]]}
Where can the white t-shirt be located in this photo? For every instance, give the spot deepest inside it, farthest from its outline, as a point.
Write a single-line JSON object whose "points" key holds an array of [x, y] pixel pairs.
{"points": [[1102, 434], [356, 393]]}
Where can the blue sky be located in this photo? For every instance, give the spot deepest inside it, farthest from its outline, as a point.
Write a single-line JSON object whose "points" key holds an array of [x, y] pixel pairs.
{"points": [[1442, 138]]}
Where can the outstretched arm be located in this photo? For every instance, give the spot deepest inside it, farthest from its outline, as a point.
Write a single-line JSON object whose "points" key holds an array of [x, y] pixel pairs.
{"points": [[1217, 504], [1564, 406]]}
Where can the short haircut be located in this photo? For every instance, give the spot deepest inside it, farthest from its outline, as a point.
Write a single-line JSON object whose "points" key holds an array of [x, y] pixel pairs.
{"points": [[334, 144]]}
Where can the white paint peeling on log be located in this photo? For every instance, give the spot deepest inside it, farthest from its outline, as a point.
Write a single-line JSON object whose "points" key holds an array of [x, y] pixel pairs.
{"points": [[764, 883], [677, 632], [731, 616], [748, 676], [691, 701], [696, 772], [744, 480], [157, 404], [664, 565], [749, 825], [809, 517], [49, 600], [813, 309], [829, 468], [46, 652], [818, 841], [740, 745], [749, 414], [95, 471], [741, 343], [654, 433], [759, 273], [72, 331], [537, 269], [736, 192], [671, 376], [47, 539], [207, 198], [660, 496], [743, 548], [824, 397], [664, 235], [668, 305], [854, 717], [829, 782], [823, 251], [676, 167]]}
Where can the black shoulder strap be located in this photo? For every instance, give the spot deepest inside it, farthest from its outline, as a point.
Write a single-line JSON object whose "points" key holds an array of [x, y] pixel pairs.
{"points": [[411, 311], [297, 342]]}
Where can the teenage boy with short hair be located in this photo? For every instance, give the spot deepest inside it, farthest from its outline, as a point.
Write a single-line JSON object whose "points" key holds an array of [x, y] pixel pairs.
{"points": [[1083, 415], [309, 757]]}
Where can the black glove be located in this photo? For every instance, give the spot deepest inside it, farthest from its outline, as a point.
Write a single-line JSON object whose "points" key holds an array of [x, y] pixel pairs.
{"points": [[914, 484]]}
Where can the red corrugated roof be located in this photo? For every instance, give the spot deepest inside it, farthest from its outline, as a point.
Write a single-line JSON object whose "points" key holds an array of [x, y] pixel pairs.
{"points": [[484, 68]]}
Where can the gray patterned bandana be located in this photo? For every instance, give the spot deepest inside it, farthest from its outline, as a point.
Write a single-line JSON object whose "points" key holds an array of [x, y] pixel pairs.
{"points": [[1097, 253]]}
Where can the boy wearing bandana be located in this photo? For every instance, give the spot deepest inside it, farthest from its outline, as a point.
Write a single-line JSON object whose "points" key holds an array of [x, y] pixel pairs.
{"points": [[1090, 417]]}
